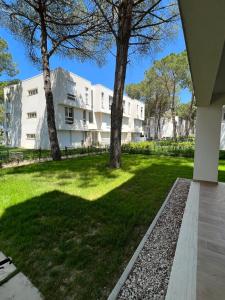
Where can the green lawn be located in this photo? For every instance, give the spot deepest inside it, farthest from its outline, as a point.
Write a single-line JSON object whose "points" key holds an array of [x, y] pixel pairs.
{"points": [[29, 154], [72, 226]]}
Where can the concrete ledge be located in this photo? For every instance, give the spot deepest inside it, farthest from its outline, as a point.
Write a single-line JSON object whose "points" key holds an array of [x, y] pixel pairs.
{"points": [[115, 292], [19, 288], [15, 285], [182, 283], [7, 270]]}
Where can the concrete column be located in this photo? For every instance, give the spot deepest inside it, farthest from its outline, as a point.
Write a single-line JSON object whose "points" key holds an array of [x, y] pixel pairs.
{"points": [[207, 143]]}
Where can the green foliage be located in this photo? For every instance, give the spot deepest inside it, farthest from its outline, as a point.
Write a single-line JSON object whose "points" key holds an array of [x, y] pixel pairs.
{"points": [[71, 28], [7, 66], [1, 113], [164, 147], [183, 147], [158, 84], [4, 84], [160, 91], [183, 110], [134, 91]]}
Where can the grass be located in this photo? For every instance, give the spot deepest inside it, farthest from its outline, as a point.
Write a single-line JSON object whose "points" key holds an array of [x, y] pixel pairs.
{"points": [[72, 226], [27, 153], [30, 154]]}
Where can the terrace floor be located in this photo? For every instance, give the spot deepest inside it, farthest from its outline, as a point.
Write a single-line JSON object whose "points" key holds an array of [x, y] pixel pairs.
{"points": [[198, 270], [211, 242]]}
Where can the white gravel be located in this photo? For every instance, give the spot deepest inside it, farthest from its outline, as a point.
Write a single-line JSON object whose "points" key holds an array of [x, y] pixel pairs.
{"points": [[149, 277]]}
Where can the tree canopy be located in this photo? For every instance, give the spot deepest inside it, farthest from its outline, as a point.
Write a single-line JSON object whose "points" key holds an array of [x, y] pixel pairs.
{"points": [[7, 66], [160, 90], [71, 27]]}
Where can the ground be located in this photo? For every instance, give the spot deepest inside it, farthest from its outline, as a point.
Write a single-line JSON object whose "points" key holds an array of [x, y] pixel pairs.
{"points": [[72, 226]]}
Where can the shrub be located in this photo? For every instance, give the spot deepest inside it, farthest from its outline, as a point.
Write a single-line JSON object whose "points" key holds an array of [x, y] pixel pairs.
{"points": [[163, 147]]}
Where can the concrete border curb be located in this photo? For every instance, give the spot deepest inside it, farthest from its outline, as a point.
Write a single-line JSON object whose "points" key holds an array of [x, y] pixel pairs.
{"points": [[115, 292]]}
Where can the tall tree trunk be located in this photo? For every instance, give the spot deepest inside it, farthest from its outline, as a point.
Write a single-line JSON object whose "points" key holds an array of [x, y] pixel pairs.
{"points": [[155, 128], [159, 126], [187, 127], [189, 120], [122, 43], [173, 113], [54, 144]]}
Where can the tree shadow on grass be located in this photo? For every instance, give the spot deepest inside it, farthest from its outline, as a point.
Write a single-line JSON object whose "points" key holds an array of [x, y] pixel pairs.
{"points": [[72, 248]]}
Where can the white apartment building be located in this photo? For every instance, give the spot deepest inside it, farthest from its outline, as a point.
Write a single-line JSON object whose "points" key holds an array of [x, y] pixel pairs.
{"points": [[82, 113], [167, 128]]}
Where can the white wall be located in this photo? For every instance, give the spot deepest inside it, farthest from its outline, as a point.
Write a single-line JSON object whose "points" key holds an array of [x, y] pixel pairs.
{"points": [[167, 127], [106, 122], [70, 138], [207, 143], [64, 82]]}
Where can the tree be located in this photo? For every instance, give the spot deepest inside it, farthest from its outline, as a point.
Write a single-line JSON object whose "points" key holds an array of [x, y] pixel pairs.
{"points": [[4, 84], [153, 93], [7, 65], [173, 69], [136, 26], [187, 112], [134, 91], [52, 27], [186, 83]]}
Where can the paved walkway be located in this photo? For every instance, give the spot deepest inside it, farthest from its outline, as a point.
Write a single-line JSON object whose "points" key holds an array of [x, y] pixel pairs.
{"points": [[211, 242], [198, 271], [15, 285]]}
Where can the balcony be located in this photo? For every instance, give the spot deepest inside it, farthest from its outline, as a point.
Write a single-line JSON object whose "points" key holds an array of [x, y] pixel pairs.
{"points": [[78, 125], [75, 101]]}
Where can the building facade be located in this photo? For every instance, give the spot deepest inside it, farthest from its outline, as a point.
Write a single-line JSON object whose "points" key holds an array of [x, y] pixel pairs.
{"points": [[82, 113], [152, 130], [164, 129]]}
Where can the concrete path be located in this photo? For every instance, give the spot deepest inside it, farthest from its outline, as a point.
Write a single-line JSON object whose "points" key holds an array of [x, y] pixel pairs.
{"points": [[14, 285]]}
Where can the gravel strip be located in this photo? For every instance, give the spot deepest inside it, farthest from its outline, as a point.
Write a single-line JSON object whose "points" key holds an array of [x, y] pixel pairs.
{"points": [[149, 277]]}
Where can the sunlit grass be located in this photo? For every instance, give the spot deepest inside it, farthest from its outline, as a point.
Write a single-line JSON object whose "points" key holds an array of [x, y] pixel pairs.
{"points": [[72, 226]]}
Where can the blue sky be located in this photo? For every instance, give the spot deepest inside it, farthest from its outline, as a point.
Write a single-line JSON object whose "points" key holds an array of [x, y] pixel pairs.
{"points": [[89, 70]]}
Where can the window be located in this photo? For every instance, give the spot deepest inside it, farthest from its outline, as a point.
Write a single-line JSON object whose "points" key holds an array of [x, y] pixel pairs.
{"points": [[84, 117], [91, 117], [137, 110], [31, 136], [71, 86], [69, 118], [86, 96], [31, 115], [110, 102], [102, 100], [141, 112], [33, 92], [224, 116], [71, 97], [129, 108]]}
